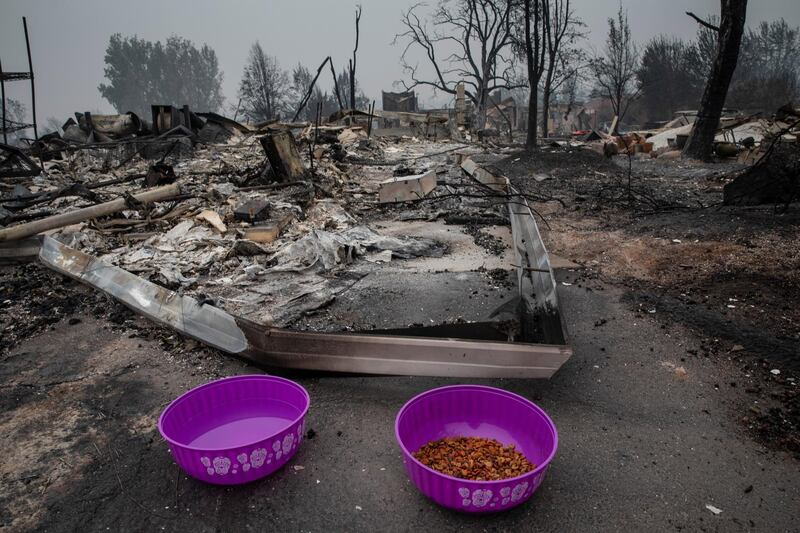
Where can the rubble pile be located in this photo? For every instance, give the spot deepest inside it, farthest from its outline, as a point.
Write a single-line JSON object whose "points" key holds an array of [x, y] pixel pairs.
{"points": [[744, 137], [270, 223]]}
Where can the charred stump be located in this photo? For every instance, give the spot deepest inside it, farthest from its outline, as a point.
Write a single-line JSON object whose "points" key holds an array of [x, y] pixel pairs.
{"points": [[283, 156]]}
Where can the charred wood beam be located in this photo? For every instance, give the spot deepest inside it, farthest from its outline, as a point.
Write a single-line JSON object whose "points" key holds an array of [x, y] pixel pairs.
{"points": [[3, 91], [305, 99], [33, 87], [283, 156]]}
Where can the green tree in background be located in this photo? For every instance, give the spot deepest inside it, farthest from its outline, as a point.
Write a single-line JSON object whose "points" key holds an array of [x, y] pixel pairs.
{"points": [[141, 73]]}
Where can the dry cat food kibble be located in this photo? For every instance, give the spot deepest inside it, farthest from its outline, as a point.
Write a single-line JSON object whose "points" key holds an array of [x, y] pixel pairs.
{"points": [[474, 458]]}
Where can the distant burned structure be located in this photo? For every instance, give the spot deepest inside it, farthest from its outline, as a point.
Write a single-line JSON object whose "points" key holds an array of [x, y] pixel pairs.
{"points": [[404, 102]]}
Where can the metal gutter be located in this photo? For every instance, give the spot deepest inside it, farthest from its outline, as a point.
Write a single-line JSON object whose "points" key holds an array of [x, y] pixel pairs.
{"points": [[351, 353]]}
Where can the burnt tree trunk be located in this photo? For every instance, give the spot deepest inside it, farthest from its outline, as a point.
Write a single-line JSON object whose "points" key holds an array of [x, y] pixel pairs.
{"points": [[534, 56], [546, 92], [533, 84], [533, 111], [701, 139], [353, 64]]}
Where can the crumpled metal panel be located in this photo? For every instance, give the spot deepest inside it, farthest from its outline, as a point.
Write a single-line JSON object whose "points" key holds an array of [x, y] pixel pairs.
{"points": [[205, 323], [331, 352]]}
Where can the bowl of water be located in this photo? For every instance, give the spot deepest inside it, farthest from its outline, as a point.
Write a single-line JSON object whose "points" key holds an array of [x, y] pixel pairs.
{"points": [[236, 430]]}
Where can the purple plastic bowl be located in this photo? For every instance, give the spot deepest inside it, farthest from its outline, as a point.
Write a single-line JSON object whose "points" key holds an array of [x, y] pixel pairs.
{"points": [[476, 411], [236, 430]]}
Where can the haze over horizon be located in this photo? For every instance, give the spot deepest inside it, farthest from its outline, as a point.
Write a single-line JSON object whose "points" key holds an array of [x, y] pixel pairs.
{"points": [[69, 39]]}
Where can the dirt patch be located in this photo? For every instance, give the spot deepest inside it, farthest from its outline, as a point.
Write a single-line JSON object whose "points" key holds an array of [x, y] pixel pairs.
{"points": [[586, 181], [556, 162], [86, 410], [741, 285], [31, 299]]}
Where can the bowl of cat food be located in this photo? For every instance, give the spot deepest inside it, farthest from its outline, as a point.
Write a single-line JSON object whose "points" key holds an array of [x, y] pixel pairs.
{"points": [[475, 449], [236, 430]]}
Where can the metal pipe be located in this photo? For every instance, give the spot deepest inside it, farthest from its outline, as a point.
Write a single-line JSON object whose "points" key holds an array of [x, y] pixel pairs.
{"points": [[73, 217]]}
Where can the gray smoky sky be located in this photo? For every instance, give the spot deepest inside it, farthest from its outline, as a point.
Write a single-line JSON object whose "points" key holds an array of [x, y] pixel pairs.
{"points": [[69, 38]]}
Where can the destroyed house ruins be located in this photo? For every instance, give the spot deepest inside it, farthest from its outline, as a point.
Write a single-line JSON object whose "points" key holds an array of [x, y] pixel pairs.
{"points": [[514, 259], [376, 242], [406, 101], [324, 247], [338, 246]]}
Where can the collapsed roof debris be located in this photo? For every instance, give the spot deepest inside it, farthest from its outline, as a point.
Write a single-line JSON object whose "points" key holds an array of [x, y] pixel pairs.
{"points": [[237, 241], [15, 163], [317, 241]]}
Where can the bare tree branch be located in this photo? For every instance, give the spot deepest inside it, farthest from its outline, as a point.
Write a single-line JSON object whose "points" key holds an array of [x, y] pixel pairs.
{"points": [[480, 30], [703, 22]]}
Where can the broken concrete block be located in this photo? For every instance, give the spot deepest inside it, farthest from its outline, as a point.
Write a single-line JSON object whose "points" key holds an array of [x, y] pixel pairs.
{"points": [[213, 219], [252, 211], [407, 188], [268, 232], [497, 183]]}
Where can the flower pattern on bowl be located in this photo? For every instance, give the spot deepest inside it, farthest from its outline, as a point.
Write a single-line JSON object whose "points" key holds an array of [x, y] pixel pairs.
{"points": [[288, 440], [518, 491], [207, 463], [480, 497], [257, 457], [222, 465]]}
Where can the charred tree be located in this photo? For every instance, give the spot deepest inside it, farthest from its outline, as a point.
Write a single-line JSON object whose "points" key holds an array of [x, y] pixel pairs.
{"points": [[615, 70], [336, 85], [353, 64], [264, 86], [536, 34], [563, 30], [466, 41], [731, 27]]}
